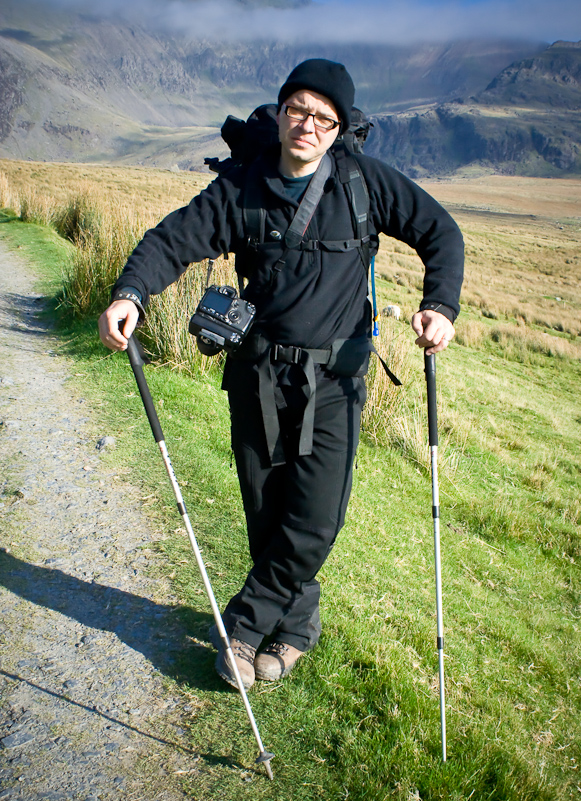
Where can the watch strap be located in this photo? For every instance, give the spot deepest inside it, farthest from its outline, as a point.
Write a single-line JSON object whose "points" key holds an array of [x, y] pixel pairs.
{"points": [[129, 294]]}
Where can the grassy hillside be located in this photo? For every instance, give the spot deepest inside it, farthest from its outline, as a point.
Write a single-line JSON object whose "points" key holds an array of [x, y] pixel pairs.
{"points": [[358, 718]]}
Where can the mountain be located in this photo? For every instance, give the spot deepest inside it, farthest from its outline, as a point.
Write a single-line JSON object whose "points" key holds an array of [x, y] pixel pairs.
{"points": [[527, 121], [78, 87]]}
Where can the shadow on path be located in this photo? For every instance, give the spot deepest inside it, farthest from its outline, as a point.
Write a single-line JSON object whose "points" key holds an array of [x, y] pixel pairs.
{"points": [[160, 632], [211, 759], [28, 310]]}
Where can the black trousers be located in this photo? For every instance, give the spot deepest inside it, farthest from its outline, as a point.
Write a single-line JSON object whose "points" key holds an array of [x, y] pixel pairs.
{"points": [[295, 510]]}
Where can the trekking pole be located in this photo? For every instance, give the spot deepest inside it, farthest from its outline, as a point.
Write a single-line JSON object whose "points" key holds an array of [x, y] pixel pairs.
{"points": [[430, 369], [136, 360]]}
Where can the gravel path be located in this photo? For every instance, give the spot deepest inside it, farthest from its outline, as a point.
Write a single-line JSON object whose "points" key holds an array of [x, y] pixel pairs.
{"points": [[85, 633]]}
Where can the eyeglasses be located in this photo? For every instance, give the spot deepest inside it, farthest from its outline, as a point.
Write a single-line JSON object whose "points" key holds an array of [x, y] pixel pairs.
{"points": [[298, 115]]}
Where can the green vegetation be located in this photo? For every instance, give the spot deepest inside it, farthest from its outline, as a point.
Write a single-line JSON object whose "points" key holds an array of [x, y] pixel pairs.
{"points": [[358, 719]]}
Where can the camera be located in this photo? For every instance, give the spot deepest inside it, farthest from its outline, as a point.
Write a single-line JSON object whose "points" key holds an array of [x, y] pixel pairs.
{"points": [[221, 320]]}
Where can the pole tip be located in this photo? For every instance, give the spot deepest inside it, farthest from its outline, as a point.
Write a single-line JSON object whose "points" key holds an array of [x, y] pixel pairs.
{"points": [[266, 756]]}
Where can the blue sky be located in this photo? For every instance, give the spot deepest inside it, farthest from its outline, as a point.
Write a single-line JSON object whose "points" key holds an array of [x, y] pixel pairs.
{"points": [[371, 21]]}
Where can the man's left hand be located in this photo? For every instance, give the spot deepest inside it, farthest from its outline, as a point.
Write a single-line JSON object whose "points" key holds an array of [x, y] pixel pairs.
{"points": [[434, 330]]}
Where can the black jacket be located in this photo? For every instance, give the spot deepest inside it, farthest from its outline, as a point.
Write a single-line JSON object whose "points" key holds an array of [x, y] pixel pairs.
{"points": [[314, 297]]}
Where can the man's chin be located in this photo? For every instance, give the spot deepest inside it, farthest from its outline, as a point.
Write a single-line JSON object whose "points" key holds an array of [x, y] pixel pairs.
{"points": [[302, 154]]}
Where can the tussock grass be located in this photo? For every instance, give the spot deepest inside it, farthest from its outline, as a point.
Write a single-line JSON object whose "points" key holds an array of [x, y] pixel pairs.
{"points": [[385, 400], [104, 238], [471, 333], [519, 343], [516, 342], [166, 329], [8, 198], [396, 416]]}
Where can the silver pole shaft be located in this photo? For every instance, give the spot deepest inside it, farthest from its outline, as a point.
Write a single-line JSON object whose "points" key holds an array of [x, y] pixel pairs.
{"points": [[264, 755], [438, 567], [136, 358]]}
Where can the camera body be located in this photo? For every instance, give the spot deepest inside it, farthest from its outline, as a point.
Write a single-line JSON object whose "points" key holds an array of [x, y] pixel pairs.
{"points": [[221, 320]]}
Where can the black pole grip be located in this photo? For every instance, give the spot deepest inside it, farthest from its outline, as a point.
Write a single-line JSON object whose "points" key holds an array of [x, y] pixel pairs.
{"points": [[136, 361], [430, 369]]}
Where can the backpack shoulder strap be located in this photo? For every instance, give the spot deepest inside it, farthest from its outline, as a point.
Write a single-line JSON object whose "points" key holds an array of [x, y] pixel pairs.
{"points": [[355, 185], [308, 205], [253, 211]]}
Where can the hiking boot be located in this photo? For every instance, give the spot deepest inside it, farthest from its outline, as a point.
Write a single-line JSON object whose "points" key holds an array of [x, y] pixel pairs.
{"points": [[276, 661], [243, 656]]}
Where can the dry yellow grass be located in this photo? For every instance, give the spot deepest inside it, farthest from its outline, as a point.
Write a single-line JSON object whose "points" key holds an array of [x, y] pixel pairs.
{"points": [[542, 197], [523, 249], [149, 191]]}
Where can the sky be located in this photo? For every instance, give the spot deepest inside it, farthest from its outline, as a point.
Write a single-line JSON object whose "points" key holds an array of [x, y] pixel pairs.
{"points": [[363, 21]]}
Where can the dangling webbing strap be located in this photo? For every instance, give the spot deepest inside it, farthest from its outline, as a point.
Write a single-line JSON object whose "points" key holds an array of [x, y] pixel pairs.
{"points": [[266, 355], [266, 393]]}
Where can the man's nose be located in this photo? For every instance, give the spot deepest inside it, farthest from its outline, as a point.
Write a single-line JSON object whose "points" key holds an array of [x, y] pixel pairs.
{"points": [[308, 124]]}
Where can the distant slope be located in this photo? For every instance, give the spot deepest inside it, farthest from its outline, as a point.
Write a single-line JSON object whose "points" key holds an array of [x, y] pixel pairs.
{"points": [[79, 88], [527, 121], [550, 80], [95, 90]]}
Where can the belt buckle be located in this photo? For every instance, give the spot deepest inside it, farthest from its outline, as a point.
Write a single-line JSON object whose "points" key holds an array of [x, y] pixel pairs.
{"points": [[295, 354], [289, 354]]}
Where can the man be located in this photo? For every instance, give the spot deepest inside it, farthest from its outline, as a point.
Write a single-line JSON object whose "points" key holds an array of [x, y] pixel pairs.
{"points": [[296, 386]]}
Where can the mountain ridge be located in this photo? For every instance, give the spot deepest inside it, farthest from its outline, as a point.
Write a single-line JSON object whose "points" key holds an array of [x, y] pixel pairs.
{"points": [[527, 121], [75, 87]]}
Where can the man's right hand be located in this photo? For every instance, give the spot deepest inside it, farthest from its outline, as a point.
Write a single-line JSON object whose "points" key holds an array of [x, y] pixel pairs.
{"points": [[113, 335]]}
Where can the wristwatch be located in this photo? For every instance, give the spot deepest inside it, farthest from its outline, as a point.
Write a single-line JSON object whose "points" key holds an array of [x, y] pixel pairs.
{"points": [[130, 294], [439, 307]]}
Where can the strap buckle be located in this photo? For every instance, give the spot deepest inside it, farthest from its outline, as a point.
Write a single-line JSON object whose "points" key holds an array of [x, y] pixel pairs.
{"points": [[288, 354]]}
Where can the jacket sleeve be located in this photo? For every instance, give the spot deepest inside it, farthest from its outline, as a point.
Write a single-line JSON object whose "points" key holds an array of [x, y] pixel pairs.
{"points": [[403, 210], [208, 226]]}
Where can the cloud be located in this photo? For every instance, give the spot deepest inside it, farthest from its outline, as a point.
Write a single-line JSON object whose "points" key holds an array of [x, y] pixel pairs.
{"points": [[368, 21]]}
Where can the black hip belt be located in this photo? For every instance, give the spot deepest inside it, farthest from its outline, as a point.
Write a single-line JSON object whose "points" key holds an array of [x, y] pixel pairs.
{"points": [[255, 346]]}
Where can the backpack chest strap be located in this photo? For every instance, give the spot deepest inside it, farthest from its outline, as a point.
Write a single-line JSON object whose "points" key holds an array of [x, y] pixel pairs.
{"points": [[334, 245]]}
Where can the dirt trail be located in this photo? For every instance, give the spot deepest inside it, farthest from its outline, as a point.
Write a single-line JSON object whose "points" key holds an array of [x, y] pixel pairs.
{"points": [[85, 634]]}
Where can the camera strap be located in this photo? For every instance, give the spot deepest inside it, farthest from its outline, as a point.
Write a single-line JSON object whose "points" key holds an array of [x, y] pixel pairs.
{"points": [[210, 269], [209, 272]]}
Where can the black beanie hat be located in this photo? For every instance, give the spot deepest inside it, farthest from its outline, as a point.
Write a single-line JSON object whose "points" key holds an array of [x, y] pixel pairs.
{"points": [[325, 77]]}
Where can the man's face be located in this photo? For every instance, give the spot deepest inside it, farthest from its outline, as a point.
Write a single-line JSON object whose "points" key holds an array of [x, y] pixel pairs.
{"points": [[303, 143]]}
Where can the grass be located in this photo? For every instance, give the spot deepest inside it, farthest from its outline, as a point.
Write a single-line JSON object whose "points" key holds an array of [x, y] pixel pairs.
{"points": [[359, 717], [523, 239]]}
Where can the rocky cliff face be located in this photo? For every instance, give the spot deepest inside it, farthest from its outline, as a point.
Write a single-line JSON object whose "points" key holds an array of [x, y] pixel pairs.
{"points": [[551, 80], [527, 121], [12, 79]]}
